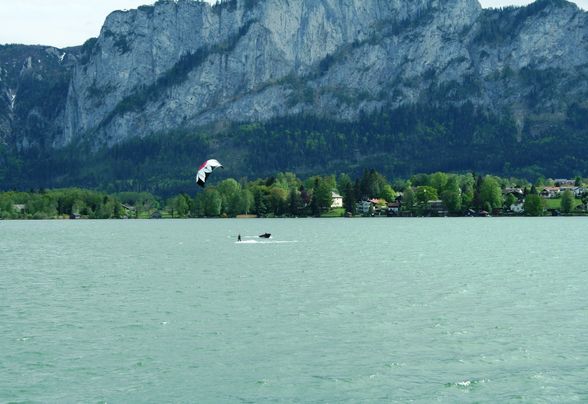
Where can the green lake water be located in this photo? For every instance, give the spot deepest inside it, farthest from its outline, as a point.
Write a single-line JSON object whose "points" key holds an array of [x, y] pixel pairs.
{"points": [[334, 310]]}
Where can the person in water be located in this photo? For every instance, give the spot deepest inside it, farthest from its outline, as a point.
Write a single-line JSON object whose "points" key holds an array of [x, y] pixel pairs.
{"points": [[239, 237]]}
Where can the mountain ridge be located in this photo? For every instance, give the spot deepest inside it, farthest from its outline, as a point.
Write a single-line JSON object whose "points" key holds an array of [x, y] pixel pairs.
{"points": [[184, 65]]}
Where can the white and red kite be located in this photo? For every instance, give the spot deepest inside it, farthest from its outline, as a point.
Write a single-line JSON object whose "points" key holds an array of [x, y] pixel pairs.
{"points": [[205, 170]]}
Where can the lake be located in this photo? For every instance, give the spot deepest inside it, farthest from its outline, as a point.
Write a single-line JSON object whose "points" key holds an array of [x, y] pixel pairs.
{"points": [[327, 310]]}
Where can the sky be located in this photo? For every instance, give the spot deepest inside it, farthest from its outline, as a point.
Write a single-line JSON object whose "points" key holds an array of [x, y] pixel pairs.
{"points": [[63, 23]]}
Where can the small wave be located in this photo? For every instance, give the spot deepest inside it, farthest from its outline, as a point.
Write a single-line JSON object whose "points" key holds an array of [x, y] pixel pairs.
{"points": [[465, 384], [266, 241], [395, 364]]}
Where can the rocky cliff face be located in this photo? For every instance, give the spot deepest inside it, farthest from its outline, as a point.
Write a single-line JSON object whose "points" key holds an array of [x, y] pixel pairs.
{"points": [[33, 92], [189, 63], [184, 63]]}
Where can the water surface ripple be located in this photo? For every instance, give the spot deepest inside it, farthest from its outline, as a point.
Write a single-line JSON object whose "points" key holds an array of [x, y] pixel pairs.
{"points": [[361, 310]]}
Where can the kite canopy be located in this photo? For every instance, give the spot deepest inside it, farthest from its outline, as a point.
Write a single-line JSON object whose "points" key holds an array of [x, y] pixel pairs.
{"points": [[205, 170]]}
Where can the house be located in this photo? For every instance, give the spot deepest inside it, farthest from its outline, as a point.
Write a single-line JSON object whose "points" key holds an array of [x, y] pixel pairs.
{"points": [[577, 191], [550, 192], [337, 200], [516, 192], [473, 213], [508, 190], [19, 208], [363, 207], [394, 209], [517, 207], [565, 188], [380, 205], [437, 208], [562, 181], [128, 207]]}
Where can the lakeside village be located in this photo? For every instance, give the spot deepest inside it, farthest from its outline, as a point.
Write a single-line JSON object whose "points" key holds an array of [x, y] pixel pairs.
{"points": [[284, 195]]}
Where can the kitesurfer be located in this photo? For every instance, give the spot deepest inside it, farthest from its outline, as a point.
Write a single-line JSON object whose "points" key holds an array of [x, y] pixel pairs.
{"points": [[239, 237]]}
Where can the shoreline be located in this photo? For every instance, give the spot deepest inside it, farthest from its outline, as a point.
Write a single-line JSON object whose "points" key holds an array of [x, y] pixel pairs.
{"points": [[85, 219]]}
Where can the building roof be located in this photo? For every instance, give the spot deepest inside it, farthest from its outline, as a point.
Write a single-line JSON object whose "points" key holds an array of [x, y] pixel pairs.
{"points": [[511, 190], [377, 201]]}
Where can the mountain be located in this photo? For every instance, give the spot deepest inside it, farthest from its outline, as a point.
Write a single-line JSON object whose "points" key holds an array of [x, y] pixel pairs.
{"points": [[388, 80], [34, 84]]}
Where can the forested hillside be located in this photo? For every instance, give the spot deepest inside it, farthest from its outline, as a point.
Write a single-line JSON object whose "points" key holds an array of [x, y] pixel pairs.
{"points": [[397, 142], [299, 85]]}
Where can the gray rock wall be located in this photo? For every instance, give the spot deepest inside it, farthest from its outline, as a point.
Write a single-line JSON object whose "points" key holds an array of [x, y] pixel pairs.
{"points": [[185, 63]]}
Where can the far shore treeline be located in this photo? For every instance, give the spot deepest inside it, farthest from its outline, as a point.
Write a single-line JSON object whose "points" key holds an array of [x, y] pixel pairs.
{"points": [[286, 195]]}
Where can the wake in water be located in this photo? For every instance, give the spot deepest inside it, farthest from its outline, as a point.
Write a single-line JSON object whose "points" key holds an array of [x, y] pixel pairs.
{"points": [[266, 241], [261, 240]]}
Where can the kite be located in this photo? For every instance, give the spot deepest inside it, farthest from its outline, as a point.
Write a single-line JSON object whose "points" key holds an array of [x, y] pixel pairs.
{"points": [[205, 170]]}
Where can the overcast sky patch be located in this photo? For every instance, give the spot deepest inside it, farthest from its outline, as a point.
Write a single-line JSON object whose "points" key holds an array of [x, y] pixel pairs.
{"points": [[63, 23]]}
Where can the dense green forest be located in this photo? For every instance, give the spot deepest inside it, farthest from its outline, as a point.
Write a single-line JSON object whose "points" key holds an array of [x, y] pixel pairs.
{"points": [[60, 203], [398, 143], [286, 195]]}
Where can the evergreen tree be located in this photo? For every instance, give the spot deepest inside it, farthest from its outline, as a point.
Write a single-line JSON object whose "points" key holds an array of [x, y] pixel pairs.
{"points": [[314, 207], [259, 203], [477, 202], [304, 196], [372, 184], [357, 190], [343, 182], [324, 195], [294, 203], [350, 199]]}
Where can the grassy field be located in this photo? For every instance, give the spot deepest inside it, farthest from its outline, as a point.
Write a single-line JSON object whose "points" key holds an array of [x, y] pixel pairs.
{"points": [[336, 212], [556, 203]]}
